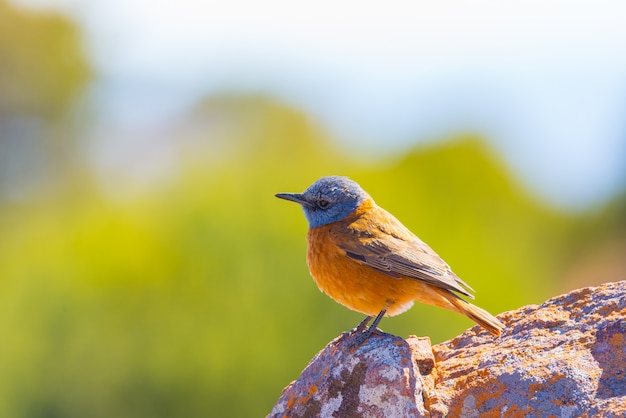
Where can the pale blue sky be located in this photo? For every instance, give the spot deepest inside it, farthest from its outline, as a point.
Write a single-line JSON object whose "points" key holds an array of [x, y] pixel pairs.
{"points": [[544, 80]]}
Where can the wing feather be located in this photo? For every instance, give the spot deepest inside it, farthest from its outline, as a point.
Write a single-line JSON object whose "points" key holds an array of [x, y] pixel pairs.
{"points": [[389, 247]]}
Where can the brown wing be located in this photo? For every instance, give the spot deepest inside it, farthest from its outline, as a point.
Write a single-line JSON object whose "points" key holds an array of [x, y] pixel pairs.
{"points": [[389, 247]]}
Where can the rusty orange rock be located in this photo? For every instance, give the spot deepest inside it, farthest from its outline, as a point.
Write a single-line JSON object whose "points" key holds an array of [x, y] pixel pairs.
{"points": [[564, 358]]}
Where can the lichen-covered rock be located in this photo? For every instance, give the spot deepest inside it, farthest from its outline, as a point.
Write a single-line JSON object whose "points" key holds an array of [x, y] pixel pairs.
{"points": [[376, 379], [564, 358]]}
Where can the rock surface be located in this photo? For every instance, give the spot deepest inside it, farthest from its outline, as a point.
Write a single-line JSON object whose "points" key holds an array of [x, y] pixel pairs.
{"points": [[564, 358]]}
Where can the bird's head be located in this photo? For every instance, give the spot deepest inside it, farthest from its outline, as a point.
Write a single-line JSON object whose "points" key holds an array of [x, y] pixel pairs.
{"points": [[328, 200]]}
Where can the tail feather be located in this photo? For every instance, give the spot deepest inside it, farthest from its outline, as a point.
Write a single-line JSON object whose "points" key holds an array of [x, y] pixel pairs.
{"points": [[478, 315]]}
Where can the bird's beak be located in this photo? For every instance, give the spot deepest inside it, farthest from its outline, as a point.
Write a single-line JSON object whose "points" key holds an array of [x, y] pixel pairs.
{"points": [[295, 197]]}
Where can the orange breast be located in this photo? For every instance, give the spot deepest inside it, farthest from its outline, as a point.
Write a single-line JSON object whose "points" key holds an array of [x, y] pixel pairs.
{"points": [[355, 286]]}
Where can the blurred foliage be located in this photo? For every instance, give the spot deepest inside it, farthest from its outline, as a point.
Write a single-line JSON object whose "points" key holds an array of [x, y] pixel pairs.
{"points": [[43, 75], [192, 298], [42, 70]]}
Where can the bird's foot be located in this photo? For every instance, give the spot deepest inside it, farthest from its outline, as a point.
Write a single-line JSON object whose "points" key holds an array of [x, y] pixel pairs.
{"points": [[363, 333], [362, 336]]}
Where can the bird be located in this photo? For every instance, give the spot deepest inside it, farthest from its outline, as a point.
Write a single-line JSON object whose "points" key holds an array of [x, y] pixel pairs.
{"points": [[367, 260]]}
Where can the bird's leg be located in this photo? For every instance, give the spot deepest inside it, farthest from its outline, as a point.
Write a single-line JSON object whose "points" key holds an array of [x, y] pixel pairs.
{"points": [[363, 324], [376, 321], [360, 339]]}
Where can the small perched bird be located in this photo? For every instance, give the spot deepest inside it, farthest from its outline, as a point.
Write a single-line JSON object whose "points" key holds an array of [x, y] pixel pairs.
{"points": [[364, 258]]}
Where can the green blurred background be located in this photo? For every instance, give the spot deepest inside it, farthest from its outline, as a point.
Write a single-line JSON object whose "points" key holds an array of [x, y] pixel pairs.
{"points": [[191, 297]]}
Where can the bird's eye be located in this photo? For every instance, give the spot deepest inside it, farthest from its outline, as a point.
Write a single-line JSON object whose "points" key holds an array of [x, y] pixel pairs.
{"points": [[323, 203]]}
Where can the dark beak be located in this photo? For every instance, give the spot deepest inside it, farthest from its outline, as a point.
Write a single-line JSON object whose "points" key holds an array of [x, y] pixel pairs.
{"points": [[295, 197]]}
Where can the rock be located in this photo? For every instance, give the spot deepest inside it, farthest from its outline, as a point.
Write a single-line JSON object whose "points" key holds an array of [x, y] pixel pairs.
{"points": [[376, 379], [565, 358]]}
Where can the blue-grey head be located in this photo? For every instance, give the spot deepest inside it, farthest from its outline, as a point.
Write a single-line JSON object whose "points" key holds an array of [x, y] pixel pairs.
{"points": [[328, 200]]}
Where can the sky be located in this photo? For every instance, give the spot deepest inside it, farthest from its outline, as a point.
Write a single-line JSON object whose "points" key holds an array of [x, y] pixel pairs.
{"points": [[544, 81]]}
